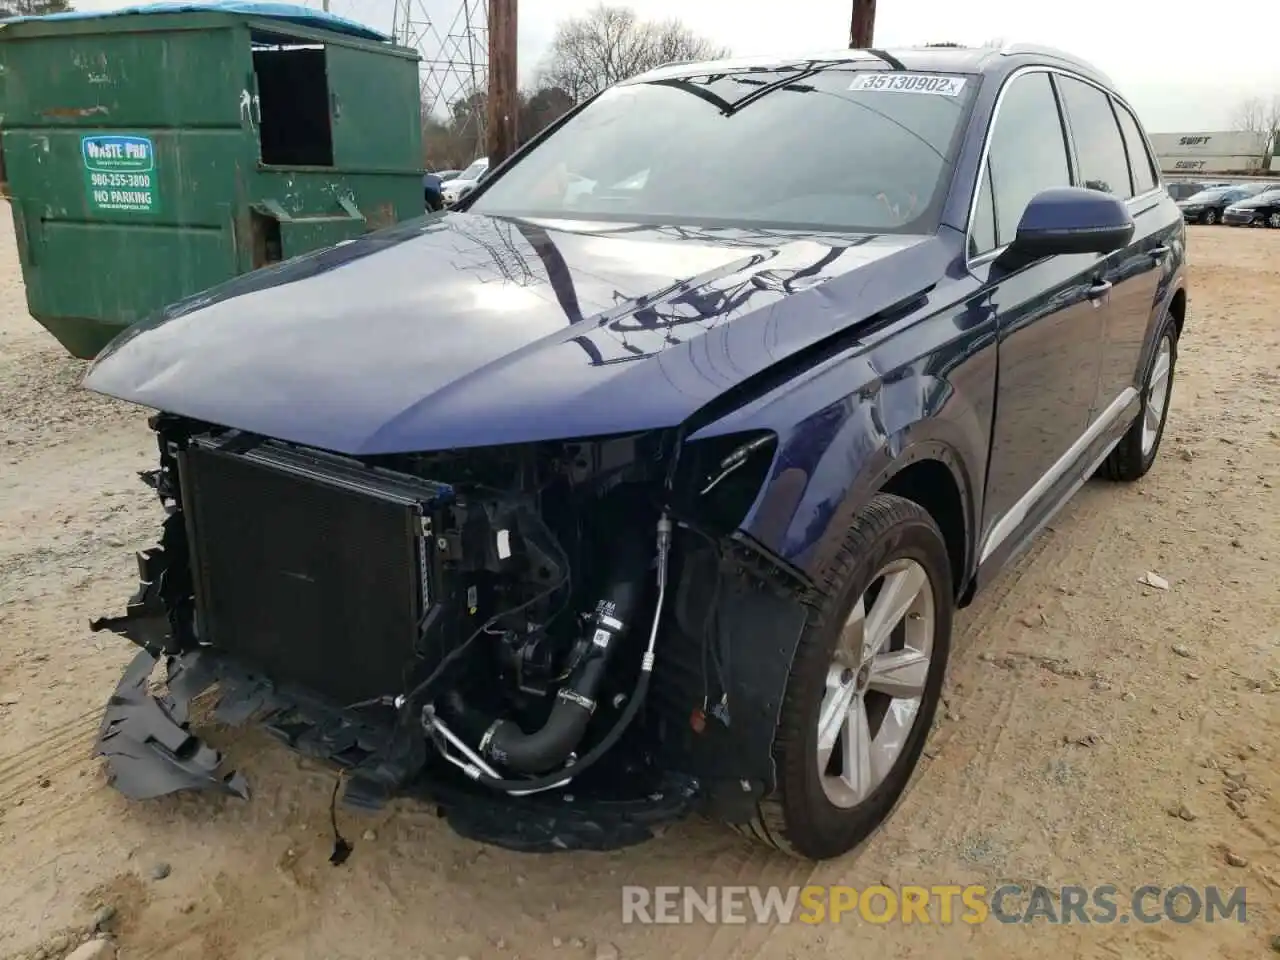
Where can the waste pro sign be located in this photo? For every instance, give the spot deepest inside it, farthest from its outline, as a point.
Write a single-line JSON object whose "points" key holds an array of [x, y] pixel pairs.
{"points": [[120, 174]]}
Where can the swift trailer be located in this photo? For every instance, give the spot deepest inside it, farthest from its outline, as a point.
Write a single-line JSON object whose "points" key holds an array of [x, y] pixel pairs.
{"points": [[624, 488]]}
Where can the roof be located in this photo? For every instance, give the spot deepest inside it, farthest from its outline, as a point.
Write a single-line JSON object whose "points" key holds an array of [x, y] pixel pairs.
{"points": [[975, 60], [263, 9]]}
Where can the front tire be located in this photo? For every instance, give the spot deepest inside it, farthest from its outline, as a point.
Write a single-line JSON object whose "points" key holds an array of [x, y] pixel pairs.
{"points": [[1273, 220], [1210, 218], [864, 685], [1137, 450]]}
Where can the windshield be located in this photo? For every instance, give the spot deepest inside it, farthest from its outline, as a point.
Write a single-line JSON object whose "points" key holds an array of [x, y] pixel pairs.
{"points": [[1206, 195], [473, 172], [842, 149]]}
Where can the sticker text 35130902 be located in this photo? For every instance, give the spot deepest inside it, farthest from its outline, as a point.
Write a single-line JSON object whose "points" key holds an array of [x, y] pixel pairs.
{"points": [[889, 82]]}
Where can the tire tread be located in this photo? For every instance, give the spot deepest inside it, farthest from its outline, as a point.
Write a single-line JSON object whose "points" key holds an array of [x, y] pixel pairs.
{"points": [[881, 515]]}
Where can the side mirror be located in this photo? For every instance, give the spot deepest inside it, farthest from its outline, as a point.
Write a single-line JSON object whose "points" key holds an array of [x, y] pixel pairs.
{"points": [[1066, 220]]}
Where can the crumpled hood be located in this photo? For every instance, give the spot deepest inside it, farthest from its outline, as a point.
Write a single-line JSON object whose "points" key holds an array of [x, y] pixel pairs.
{"points": [[465, 330]]}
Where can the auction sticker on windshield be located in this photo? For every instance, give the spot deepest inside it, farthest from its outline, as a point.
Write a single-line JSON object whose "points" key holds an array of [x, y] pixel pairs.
{"points": [[120, 173], [909, 83]]}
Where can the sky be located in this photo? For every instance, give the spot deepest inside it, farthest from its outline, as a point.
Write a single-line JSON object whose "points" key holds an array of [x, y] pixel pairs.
{"points": [[1159, 59]]}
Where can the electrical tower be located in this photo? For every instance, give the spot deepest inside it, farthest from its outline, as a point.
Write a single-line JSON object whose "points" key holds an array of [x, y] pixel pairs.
{"points": [[455, 58]]}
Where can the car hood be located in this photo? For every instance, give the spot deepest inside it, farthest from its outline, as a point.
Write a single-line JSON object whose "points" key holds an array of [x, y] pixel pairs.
{"points": [[464, 330]]}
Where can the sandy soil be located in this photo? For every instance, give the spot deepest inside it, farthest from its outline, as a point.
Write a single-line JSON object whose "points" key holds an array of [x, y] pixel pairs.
{"points": [[1083, 707]]}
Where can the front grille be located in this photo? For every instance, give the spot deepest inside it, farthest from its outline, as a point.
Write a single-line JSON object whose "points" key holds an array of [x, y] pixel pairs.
{"points": [[312, 570]]}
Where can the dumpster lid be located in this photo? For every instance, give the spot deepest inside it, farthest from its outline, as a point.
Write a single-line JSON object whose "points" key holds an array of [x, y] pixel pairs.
{"points": [[267, 9]]}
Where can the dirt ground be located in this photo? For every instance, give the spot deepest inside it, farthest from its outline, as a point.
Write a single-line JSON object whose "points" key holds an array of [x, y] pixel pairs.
{"points": [[1083, 708]]}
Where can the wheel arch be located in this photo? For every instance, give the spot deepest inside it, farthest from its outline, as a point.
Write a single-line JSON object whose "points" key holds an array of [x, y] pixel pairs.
{"points": [[1178, 309], [930, 478]]}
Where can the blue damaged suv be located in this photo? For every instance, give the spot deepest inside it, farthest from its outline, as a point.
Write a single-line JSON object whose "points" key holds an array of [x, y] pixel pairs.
{"points": [[627, 487]]}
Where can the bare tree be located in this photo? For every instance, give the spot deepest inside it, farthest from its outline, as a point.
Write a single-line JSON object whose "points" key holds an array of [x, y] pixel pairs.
{"points": [[32, 8], [1261, 116], [611, 43]]}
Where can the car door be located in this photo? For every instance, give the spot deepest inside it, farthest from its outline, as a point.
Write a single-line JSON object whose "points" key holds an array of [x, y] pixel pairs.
{"points": [[1050, 316], [1111, 156]]}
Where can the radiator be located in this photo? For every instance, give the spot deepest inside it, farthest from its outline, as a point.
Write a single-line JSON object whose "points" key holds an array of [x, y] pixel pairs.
{"points": [[312, 569]]}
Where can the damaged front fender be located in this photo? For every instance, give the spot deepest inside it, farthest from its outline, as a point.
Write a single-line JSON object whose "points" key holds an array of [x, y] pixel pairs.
{"points": [[145, 739]]}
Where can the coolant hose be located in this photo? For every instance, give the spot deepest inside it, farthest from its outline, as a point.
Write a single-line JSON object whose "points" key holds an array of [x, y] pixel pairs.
{"points": [[550, 746]]}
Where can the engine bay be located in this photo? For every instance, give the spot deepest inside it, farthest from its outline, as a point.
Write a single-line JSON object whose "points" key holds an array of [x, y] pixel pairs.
{"points": [[502, 622]]}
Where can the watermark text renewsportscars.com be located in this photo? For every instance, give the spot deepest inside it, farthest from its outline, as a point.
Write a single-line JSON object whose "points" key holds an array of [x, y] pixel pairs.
{"points": [[937, 904]]}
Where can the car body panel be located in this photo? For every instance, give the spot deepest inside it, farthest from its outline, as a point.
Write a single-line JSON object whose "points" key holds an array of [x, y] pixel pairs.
{"points": [[851, 422], [416, 338]]}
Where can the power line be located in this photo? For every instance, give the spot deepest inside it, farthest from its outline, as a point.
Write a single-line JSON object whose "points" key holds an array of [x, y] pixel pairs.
{"points": [[455, 59]]}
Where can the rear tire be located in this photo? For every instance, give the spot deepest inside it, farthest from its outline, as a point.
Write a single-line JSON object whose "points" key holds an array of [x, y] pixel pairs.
{"points": [[823, 806], [1137, 450], [1273, 220], [1210, 218]]}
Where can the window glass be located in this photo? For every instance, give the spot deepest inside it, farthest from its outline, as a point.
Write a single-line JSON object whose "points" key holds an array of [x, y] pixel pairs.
{"points": [[841, 148], [1027, 152], [1103, 163], [1140, 162]]}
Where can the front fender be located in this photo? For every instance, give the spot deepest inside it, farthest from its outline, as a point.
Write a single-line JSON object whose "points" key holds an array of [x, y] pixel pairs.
{"points": [[851, 425]]}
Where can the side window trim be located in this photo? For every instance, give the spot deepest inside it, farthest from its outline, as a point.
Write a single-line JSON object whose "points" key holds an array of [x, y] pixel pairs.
{"points": [[984, 159], [1124, 142], [1149, 156], [1068, 135], [1072, 160]]}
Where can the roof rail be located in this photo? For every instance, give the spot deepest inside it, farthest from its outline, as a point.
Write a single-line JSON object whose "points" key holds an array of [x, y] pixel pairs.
{"points": [[1040, 49]]}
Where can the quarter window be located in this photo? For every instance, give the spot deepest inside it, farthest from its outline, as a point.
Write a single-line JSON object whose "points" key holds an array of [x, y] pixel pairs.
{"points": [[1140, 162], [1103, 163], [1027, 153]]}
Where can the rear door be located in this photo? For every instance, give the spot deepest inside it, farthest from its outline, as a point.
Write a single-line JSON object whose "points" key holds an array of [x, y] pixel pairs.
{"points": [[1050, 317], [1111, 156]]}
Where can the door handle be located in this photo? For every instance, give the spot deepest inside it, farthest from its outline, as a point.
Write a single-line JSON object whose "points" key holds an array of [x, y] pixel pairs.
{"points": [[1159, 253], [1099, 289]]}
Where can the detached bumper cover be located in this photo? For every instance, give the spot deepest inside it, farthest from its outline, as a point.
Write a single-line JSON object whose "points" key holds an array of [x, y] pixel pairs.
{"points": [[150, 751]]}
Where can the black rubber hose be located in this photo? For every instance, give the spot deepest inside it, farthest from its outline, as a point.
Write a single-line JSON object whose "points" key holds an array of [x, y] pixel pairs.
{"points": [[587, 759], [550, 746]]}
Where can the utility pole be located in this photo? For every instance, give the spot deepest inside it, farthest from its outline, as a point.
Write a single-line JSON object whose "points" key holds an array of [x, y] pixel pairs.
{"points": [[504, 95], [863, 26]]}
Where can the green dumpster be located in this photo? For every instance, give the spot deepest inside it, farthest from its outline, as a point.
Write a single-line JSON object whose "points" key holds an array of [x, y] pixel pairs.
{"points": [[153, 152]]}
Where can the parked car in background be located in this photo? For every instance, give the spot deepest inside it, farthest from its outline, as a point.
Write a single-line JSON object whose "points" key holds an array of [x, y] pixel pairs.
{"points": [[433, 186], [1208, 205], [1262, 209], [599, 501], [1181, 189], [464, 182], [431, 195]]}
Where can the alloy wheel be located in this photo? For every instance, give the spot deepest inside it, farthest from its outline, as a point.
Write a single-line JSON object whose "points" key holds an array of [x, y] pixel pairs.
{"points": [[1157, 395], [875, 683], [1274, 220]]}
